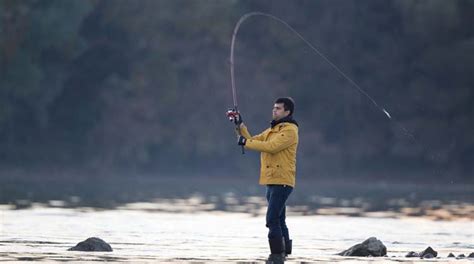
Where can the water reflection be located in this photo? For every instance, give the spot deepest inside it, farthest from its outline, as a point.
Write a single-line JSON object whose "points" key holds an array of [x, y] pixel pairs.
{"points": [[243, 196]]}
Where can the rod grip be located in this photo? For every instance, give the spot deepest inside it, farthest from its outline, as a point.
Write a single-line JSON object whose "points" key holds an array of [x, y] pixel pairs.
{"points": [[238, 129]]}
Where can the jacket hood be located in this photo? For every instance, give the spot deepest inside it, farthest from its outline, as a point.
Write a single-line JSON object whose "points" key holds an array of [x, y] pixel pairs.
{"points": [[288, 119]]}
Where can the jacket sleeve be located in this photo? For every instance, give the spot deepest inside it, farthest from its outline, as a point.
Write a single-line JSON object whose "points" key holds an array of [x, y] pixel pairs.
{"points": [[245, 133], [282, 140]]}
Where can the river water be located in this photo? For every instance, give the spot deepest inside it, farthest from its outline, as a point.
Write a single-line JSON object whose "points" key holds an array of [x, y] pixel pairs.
{"points": [[223, 220], [138, 234]]}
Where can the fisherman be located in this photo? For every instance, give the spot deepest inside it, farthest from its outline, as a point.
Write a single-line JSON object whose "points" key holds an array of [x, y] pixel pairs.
{"points": [[278, 145]]}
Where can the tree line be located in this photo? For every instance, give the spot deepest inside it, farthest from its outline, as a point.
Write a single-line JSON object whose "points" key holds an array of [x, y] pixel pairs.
{"points": [[142, 86]]}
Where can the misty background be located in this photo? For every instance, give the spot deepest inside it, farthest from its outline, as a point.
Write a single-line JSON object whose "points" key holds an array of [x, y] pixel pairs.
{"points": [[113, 89]]}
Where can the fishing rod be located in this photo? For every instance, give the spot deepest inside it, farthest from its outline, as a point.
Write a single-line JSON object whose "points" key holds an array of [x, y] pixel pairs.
{"points": [[334, 66], [234, 112]]}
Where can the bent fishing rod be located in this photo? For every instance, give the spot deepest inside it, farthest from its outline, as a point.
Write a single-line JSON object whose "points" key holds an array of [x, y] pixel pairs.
{"points": [[234, 112], [334, 66]]}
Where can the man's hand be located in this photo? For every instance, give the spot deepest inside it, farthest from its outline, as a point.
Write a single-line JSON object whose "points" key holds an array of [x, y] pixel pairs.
{"points": [[238, 119], [241, 141], [234, 116], [238, 129]]}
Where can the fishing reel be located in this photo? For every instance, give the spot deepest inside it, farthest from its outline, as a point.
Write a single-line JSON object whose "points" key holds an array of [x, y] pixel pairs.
{"points": [[233, 115]]}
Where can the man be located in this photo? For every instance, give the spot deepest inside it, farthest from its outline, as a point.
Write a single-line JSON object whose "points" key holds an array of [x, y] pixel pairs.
{"points": [[278, 145]]}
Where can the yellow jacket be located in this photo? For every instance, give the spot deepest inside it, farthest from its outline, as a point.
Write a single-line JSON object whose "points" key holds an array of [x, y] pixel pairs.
{"points": [[278, 153]]}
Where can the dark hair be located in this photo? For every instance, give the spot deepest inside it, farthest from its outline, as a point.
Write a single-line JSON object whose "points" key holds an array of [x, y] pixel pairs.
{"points": [[288, 104]]}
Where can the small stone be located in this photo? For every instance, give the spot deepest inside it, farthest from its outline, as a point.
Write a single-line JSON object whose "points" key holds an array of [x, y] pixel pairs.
{"points": [[412, 254], [451, 255], [92, 244], [428, 250], [428, 256], [471, 255], [461, 256]]}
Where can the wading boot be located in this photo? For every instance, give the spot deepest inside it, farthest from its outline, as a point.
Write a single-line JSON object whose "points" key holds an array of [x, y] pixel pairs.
{"points": [[288, 246], [277, 249]]}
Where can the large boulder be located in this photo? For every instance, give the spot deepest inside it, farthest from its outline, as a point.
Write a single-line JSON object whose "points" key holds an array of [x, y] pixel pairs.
{"points": [[92, 244], [370, 247]]}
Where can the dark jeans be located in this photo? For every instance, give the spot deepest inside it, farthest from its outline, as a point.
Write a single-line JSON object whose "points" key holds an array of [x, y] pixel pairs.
{"points": [[276, 212]]}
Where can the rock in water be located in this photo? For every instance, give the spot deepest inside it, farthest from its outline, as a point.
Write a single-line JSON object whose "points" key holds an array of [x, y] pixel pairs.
{"points": [[425, 253], [461, 256], [471, 255], [92, 244], [370, 247], [412, 254], [451, 255]]}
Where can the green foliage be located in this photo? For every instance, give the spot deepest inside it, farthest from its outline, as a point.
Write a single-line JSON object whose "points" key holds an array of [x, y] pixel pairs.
{"points": [[142, 85], [38, 41]]}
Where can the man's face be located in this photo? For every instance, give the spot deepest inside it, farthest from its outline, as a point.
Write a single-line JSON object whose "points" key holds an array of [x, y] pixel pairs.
{"points": [[279, 112]]}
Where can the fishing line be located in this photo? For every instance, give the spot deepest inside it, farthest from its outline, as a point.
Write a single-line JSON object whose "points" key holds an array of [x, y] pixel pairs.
{"points": [[334, 66], [317, 51]]}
